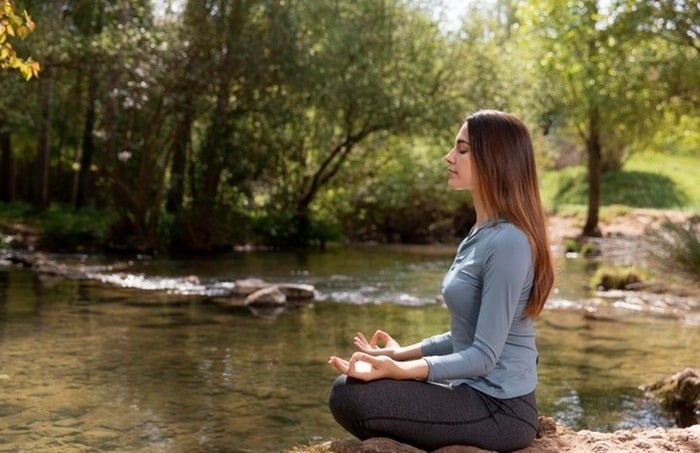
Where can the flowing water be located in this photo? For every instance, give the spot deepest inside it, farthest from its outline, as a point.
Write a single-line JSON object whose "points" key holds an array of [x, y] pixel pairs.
{"points": [[149, 357]]}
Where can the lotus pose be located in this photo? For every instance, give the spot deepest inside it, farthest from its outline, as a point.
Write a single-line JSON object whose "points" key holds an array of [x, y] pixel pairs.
{"points": [[474, 384]]}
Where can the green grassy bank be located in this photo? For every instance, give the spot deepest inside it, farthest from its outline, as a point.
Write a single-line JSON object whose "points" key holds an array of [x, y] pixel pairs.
{"points": [[648, 180]]}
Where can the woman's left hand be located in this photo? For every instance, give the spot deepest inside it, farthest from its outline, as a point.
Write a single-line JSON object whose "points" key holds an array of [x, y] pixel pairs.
{"points": [[366, 367]]}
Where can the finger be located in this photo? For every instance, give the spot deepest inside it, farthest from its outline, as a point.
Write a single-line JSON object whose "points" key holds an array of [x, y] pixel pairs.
{"points": [[339, 364], [378, 336], [361, 357], [360, 341], [360, 338]]}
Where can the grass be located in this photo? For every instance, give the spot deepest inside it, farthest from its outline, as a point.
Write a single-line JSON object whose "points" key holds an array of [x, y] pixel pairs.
{"points": [[648, 180], [679, 243]]}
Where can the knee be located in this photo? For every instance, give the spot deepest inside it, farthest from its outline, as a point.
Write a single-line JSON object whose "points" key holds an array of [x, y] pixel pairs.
{"points": [[345, 405], [347, 400], [338, 397]]}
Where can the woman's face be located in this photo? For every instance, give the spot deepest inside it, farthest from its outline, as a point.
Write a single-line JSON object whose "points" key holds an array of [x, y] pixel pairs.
{"points": [[462, 172]]}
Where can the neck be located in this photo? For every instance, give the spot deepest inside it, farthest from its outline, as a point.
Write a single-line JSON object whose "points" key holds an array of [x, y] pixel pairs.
{"points": [[482, 214]]}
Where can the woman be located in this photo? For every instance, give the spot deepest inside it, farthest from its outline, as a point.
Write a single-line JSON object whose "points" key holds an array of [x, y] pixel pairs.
{"points": [[474, 384]]}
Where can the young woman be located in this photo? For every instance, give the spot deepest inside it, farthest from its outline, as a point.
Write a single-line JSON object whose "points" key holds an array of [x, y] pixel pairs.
{"points": [[474, 384]]}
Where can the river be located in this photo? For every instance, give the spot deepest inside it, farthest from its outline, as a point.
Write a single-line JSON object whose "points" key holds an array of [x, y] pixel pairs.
{"points": [[147, 356]]}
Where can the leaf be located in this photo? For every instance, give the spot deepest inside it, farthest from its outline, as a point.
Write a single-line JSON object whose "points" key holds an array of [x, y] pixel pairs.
{"points": [[26, 71]]}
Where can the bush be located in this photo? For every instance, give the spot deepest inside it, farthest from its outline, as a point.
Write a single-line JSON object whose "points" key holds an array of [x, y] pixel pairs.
{"points": [[580, 247], [405, 200], [281, 229], [66, 229], [607, 278], [676, 246]]}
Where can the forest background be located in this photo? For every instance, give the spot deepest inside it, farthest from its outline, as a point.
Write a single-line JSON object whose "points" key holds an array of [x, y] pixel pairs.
{"points": [[202, 125]]}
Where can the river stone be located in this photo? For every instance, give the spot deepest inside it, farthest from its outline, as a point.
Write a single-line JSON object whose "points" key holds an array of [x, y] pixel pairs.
{"points": [[248, 286], [295, 291], [680, 394], [266, 296], [372, 445]]}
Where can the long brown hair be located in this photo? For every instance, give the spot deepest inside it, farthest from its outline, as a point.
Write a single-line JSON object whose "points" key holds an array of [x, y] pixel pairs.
{"points": [[505, 162]]}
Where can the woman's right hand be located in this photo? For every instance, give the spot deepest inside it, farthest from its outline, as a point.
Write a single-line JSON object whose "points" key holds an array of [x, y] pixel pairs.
{"points": [[381, 343]]}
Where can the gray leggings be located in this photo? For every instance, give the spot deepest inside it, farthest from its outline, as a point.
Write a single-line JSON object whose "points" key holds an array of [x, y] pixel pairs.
{"points": [[429, 416]]}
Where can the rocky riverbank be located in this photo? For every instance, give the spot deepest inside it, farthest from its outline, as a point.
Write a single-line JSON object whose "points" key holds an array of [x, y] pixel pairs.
{"points": [[552, 438]]}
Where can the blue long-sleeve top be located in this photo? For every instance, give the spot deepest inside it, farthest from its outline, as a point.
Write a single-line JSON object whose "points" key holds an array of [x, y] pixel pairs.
{"points": [[491, 342]]}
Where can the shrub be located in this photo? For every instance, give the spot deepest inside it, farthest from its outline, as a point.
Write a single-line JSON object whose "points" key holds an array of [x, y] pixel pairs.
{"points": [[676, 246], [606, 278], [580, 247], [67, 229]]}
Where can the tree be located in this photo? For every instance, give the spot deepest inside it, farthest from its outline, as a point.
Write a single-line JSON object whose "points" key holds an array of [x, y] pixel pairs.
{"points": [[597, 72], [367, 69], [13, 24]]}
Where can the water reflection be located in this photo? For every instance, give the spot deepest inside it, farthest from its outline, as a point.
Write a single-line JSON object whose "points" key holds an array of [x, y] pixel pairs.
{"points": [[99, 367]]}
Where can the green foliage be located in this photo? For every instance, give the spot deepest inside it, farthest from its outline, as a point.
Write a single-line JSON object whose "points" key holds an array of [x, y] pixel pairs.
{"points": [[676, 246], [580, 247], [608, 277], [280, 229], [300, 119], [11, 25], [67, 229], [405, 198], [20, 212]]}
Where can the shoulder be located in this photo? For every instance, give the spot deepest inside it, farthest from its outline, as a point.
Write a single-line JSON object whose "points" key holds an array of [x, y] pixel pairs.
{"points": [[507, 235], [508, 247]]}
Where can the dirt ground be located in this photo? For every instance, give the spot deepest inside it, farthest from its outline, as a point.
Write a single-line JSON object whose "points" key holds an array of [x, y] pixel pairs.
{"points": [[633, 224]]}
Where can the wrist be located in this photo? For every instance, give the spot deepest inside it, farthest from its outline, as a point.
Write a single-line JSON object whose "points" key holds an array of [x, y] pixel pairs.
{"points": [[412, 369]]}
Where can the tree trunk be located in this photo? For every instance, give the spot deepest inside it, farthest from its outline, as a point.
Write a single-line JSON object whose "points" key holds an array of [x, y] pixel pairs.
{"points": [[176, 191], [41, 195], [88, 150], [593, 149], [7, 168], [84, 182], [302, 225]]}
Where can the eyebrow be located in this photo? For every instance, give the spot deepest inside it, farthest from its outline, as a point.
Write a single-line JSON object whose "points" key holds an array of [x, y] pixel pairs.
{"points": [[463, 142]]}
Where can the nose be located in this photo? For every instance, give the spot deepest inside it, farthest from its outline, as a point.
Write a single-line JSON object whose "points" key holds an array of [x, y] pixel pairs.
{"points": [[448, 157]]}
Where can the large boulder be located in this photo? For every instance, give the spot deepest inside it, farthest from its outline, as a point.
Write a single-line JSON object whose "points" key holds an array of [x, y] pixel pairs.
{"points": [[270, 295], [295, 291], [680, 395], [248, 286]]}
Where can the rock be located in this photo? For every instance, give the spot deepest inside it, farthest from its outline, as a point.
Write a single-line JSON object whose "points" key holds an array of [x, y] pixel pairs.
{"points": [[270, 295], [248, 286], [551, 438], [462, 449], [680, 394], [295, 291], [373, 445]]}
